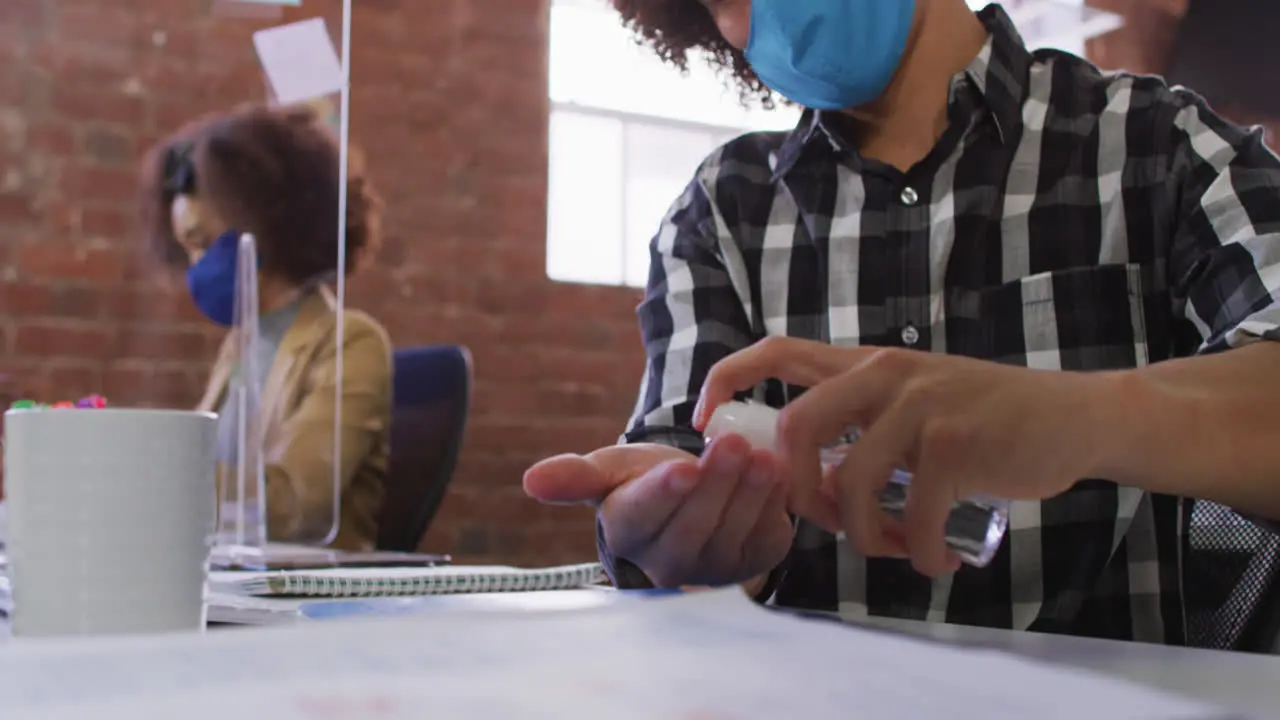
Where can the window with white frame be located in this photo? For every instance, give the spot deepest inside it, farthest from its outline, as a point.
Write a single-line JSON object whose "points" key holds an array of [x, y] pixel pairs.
{"points": [[627, 131]]}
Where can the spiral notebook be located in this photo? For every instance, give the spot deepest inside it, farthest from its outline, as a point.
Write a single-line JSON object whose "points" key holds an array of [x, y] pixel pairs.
{"points": [[384, 582]]}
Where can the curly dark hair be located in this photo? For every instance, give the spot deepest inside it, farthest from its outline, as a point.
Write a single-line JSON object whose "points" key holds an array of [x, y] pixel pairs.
{"points": [[674, 28], [270, 171]]}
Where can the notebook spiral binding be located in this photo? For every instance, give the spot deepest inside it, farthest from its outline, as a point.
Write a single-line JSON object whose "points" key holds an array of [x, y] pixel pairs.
{"points": [[305, 585]]}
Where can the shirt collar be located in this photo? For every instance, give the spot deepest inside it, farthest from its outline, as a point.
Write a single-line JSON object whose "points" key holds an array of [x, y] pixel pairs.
{"points": [[810, 124], [999, 74]]}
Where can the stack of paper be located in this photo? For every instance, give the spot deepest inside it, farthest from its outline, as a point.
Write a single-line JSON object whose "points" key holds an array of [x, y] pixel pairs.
{"points": [[705, 655]]}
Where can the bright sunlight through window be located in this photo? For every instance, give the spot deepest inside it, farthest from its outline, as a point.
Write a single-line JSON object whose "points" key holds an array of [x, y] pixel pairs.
{"points": [[627, 132]]}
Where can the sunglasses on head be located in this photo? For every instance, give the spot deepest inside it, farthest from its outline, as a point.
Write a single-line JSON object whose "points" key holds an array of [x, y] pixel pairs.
{"points": [[179, 170]]}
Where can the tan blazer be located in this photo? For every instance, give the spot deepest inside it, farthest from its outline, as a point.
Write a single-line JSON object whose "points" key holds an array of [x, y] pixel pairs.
{"points": [[297, 410]]}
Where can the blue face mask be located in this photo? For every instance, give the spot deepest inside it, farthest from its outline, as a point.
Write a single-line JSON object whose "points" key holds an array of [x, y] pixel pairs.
{"points": [[828, 54], [212, 280]]}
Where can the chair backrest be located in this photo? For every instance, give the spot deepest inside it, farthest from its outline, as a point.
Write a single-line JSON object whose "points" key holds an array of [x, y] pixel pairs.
{"points": [[1231, 581], [431, 398]]}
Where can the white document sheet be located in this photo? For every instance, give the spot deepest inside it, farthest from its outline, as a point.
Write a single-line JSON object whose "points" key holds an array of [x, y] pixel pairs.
{"points": [[712, 655], [299, 60]]}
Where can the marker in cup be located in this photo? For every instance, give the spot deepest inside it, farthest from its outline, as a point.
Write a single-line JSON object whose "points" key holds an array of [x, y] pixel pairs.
{"points": [[974, 530], [92, 402]]}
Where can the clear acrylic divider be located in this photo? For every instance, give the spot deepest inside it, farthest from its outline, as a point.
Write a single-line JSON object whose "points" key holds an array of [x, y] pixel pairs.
{"points": [[343, 131], [299, 493], [242, 529], [104, 106]]}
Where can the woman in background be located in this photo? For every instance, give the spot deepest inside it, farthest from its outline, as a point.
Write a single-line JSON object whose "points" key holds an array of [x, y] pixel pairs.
{"points": [[273, 172]]}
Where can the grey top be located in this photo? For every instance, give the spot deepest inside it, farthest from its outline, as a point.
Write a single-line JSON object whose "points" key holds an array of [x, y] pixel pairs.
{"points": [[271, 330]]}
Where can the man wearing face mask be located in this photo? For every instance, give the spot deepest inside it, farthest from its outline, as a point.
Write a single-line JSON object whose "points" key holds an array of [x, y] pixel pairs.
{"points": [[273, 172], [1010, 270]]}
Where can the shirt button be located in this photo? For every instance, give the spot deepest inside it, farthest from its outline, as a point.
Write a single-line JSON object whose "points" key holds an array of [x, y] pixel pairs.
{"points": [[910, 335], [909, 196]]}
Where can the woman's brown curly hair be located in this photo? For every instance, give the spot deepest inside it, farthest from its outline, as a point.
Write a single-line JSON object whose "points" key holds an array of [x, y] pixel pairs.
{"points": [[674, 28], [272, 172]]}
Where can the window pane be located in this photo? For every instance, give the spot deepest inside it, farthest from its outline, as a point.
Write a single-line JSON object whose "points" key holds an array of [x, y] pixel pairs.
{"points": [[590, 51], [584, 206], [660, 161], [1060, 24]]}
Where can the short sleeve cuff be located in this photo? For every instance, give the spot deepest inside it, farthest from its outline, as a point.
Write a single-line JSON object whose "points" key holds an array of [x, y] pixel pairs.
{"points": [[684, 438]]}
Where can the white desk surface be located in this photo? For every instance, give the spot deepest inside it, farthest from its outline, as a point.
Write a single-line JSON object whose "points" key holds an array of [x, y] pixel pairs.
{"points": [[1236, 681], [1244, 683]]}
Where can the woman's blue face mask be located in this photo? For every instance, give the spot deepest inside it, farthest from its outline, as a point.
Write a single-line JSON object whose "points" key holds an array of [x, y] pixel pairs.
{"points": [[828, 54], [212, 279]]}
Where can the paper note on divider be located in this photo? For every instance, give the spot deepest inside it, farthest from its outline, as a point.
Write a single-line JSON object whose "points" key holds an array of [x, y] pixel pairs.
{"points": [[299, 60], [703, 655]]}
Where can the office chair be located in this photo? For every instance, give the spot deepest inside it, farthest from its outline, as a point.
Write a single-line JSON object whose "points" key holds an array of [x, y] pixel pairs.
{"points": [[431, 398], [1231, 579]]}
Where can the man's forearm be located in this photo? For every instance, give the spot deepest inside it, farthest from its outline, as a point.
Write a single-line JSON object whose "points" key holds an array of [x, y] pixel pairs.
{"points": [[1205, 427]]}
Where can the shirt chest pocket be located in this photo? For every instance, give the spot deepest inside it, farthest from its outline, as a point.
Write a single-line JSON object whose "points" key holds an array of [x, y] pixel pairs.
{"points": [[1088, 318]]}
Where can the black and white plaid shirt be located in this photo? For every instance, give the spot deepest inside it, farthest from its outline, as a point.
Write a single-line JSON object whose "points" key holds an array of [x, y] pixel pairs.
{"points": [[1068, 219]]}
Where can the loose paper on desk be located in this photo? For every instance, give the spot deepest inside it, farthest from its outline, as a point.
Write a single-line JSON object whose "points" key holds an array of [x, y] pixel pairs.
{"points": [[712, 655], [299, 61]]}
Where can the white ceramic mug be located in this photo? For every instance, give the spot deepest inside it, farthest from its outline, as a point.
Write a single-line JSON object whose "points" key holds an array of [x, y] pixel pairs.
{"points": [[111, 519]]}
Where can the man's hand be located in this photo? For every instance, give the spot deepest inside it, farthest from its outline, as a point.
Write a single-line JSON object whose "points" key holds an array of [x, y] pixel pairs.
{"points": [[962, 426], [717, 520]]}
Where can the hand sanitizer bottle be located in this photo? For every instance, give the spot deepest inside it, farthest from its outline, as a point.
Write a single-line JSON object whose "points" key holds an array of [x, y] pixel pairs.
{"points": [[974, 530]]}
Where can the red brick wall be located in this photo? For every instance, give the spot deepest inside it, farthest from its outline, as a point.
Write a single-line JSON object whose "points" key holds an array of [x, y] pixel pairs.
{"points": [[449, 104]]}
